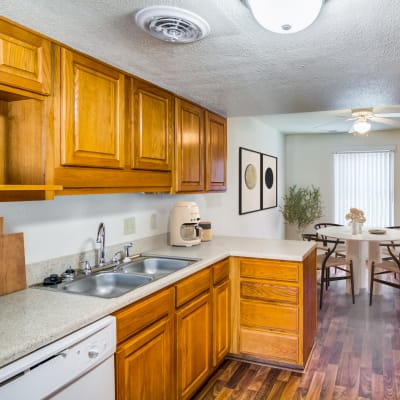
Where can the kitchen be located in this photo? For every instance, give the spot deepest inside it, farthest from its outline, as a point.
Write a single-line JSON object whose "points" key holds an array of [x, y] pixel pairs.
{"points": [[68, 225]]}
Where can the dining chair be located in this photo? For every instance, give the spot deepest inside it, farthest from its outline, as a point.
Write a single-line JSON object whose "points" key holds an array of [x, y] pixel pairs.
{"points": [[326, 260], [341, 248], [386, 266]]}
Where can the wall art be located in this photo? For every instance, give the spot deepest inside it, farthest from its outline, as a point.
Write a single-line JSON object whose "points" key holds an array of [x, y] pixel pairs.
{"points": [[269, 180], [249, 181]]}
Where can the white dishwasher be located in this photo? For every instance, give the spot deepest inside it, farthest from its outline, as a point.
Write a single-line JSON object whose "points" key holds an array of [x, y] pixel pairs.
{"points": [[78, 366]]}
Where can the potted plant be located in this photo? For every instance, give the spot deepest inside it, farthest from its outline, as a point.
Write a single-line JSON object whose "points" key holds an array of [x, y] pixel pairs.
{"points": [[301, 206]]}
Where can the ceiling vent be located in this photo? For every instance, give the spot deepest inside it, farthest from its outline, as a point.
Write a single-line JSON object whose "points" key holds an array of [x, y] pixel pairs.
{"points": [[172, 24]]}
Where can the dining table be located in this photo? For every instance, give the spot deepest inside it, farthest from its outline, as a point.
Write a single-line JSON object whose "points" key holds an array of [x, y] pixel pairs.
{"points": [[362, 248]]}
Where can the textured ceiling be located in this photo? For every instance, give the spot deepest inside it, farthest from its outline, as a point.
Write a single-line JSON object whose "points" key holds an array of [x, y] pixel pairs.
{"points": [[349, 58]]}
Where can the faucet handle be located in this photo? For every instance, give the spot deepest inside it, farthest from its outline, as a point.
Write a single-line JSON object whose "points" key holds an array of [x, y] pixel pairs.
{"points": [[87, 268], [116, 258], [126, 251]]}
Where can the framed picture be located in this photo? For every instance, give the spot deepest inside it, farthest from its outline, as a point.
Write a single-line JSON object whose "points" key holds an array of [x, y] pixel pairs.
{"points": [[249, 181], [269, 193]]}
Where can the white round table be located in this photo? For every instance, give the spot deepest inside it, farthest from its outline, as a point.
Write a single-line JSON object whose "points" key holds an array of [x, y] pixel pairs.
{"points": [[362, 249]]}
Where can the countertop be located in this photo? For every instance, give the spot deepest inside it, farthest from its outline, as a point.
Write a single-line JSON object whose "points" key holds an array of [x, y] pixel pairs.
{"points": [[32, 318]]}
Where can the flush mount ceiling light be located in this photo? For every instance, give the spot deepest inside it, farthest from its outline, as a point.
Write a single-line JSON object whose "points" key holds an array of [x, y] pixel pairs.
{"points": [[285, 16], [172, 24]]}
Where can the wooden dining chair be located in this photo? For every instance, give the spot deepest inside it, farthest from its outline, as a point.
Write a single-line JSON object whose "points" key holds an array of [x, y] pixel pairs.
{"points": [[386, 266], [326, 260], [341, 248]]}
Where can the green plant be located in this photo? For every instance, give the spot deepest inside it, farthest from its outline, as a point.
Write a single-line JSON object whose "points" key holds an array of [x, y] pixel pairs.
{"points": [[301, 206]]}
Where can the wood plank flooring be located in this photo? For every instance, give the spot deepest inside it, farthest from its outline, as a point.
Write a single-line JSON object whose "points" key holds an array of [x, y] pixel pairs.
{"points": [[356, 356]]}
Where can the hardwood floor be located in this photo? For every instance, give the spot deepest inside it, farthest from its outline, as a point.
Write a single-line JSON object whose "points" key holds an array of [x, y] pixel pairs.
{"points": [[356, 356]]}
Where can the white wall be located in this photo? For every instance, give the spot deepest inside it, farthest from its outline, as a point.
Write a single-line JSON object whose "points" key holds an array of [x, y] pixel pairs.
{"points": [[68, 224], [309, 161], [223, 210]]}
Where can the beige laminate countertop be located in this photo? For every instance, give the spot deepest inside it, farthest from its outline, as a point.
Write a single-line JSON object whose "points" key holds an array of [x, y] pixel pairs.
{"points": [[32, 318]]}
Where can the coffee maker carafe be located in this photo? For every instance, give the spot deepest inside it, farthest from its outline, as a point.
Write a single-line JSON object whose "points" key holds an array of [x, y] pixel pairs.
{"points": [[184, 229]]}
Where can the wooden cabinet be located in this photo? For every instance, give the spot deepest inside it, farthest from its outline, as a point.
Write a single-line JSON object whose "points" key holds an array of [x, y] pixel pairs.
{"points": [[25, 60], [144, 363], [216, 144], [153, 122], [275, 310], [221, 311], [200, 149], [92, 113], [193, 333], [189, 147]]}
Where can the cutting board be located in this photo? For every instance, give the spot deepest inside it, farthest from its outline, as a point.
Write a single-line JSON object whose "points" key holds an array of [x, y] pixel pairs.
{"points": [[12, 262]]}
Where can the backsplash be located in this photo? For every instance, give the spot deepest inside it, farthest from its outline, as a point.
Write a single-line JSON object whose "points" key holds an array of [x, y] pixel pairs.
{"points": [[36, 272]]}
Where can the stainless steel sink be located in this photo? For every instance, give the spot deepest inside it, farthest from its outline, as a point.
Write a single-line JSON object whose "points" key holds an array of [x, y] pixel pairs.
{"points": [[107, 285], [155, 266]]}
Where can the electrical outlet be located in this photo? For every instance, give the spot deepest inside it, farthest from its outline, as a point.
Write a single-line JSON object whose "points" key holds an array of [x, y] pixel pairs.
{"points": [[153, 221], [129, 226]]}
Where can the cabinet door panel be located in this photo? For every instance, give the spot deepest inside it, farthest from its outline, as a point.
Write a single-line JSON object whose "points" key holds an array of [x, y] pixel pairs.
{"points": [[221, 322], [144, 365], [25, 59], [193, 337], [92, 108], [153, 128], [216, 152], [190, 147]]}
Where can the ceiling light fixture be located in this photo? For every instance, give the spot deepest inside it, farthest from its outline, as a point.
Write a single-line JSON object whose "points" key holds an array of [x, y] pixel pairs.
{"points": [[361, 126], [285, 16]]}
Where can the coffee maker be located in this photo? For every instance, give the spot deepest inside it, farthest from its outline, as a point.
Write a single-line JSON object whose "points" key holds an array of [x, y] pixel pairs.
{"points": [[184, 228]]}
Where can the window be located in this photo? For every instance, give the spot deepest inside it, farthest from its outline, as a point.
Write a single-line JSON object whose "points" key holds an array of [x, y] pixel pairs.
{"points": [[365, 180]]}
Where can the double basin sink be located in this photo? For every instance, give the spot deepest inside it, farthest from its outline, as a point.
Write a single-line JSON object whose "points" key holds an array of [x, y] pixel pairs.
{"points": [[125, 277]]}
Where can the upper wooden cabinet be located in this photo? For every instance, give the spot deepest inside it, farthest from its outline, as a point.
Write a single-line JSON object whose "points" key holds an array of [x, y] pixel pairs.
{"points": [[200, 149], [189, 147], [153, 122], [92, 113], [215, 152], [25, 59]]}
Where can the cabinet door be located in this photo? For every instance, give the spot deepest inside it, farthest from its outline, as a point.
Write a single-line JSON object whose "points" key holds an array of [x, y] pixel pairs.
{"points": [[144, 365], [25, 59], [193, 340], [92, 113], [221, 321], [153, 128], [190, 147], [216, 152]]}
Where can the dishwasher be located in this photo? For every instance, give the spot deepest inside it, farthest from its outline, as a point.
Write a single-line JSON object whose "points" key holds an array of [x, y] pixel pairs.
{"points": [[78, 366]]}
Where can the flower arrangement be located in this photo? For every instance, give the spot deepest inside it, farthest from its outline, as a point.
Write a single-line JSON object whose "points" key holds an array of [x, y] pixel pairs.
{"points": [[356, 215]]}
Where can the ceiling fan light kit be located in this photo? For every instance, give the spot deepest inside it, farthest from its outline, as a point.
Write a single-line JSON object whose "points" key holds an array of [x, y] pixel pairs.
{"points": [[285, 16], [361, 126], [172, 24]]}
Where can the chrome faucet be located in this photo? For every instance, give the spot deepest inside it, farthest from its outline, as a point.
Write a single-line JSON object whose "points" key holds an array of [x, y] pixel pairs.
{"points": [[101, 238]]}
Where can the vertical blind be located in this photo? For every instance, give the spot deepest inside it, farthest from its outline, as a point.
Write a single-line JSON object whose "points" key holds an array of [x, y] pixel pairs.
{"points": [[365, 180]]}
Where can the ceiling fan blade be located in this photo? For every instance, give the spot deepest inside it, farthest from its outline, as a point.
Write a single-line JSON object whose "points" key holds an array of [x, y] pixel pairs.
{"points": [[388, 115], [386, 121]]}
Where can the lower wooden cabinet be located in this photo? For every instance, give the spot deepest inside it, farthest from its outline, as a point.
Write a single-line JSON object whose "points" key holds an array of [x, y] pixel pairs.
{"points": [[144, 360], [221, 312], [193, 333], [143, 364], [274, 310], [193, 343]]}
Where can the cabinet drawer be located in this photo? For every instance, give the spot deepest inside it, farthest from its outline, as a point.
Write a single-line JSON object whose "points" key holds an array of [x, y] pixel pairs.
{"points": [[135, 317], [268, 316], [270, 269], [221, 271], [269, 345], [269, 292], [191, 287]]}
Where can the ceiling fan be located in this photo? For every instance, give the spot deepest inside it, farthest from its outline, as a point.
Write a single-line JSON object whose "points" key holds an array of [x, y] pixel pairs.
{"points": [[363, 117]]}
